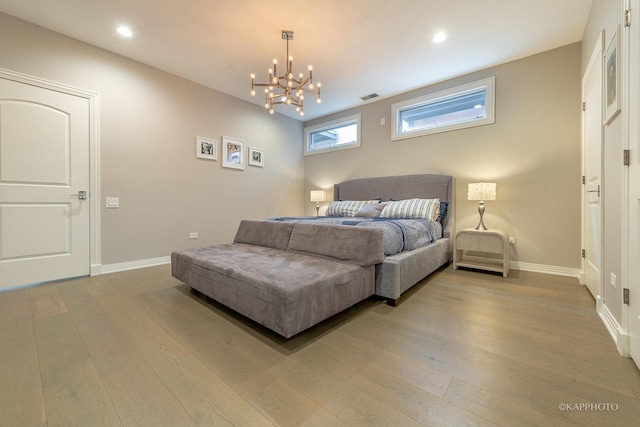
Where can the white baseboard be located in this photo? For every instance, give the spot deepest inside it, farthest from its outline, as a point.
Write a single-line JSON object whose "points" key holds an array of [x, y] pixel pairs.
{"points": [[534, 268], [546, 269], [599, 303], [582, 278], [132, 265], [95, 270], [515, 265], [617, 334]]}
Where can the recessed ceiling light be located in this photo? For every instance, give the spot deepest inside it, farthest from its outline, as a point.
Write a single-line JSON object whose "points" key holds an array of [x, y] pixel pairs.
{"points": [[125, 31], [439, 37]]}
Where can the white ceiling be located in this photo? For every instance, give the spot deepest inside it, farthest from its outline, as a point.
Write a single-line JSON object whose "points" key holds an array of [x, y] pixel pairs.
{"points": [[356, 47]]}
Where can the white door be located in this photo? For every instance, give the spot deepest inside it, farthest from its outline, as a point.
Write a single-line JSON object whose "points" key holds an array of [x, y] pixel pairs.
{"points": [[44, 167], [634, 189], [592, 146]]}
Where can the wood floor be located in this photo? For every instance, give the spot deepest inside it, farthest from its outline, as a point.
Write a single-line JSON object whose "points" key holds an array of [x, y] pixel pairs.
{"points": [[138, 348]]}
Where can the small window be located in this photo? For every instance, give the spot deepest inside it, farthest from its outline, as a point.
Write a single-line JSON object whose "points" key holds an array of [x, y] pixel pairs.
{"points": [[460, 107], [334, 135]]}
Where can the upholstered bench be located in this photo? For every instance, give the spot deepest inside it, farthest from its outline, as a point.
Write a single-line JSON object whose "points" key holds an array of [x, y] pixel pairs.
{"points": [[285, 276]]}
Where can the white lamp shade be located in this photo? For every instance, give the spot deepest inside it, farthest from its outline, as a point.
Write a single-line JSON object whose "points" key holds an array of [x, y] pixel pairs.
{"points": [[318, 195], [482, 191]]}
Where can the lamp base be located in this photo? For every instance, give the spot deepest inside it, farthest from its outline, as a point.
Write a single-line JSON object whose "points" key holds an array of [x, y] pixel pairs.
{"points": [[317, 209], [481, 225]]}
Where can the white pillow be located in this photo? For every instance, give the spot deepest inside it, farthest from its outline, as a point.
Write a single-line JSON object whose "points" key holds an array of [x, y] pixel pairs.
{"points": [[347, 207], [412, 208]]}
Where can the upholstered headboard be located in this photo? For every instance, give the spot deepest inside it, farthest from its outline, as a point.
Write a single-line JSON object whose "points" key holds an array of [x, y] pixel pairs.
{"points": [[422, 186]]}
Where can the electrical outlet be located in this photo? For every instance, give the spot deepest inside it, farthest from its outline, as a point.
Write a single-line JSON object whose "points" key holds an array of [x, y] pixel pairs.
{"points": [[512, 240], [193, 235], [613, 279], [112, 203]]}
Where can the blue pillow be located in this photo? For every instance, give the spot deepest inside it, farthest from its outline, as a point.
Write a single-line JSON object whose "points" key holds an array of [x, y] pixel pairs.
{"points": [[370, 210], [443, 210]]}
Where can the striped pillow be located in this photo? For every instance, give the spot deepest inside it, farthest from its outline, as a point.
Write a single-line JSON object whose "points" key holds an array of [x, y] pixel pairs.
{"points": [[412, 208], [347, 207]]}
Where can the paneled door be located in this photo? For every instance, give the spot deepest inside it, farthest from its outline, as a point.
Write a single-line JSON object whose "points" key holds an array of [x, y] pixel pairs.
{"points": [[592, 148], [44, 184]]}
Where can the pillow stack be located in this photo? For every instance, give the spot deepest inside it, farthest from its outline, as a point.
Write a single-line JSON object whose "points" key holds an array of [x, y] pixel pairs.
{"points": [[398, 209]]}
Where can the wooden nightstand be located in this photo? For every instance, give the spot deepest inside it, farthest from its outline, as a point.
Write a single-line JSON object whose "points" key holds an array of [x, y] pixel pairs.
{"points": [[488, 241]]}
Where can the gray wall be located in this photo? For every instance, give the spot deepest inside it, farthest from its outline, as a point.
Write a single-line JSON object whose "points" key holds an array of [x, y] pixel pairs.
{"points": [[607, 15], [149, 120], [532, 152], [148, 123]]}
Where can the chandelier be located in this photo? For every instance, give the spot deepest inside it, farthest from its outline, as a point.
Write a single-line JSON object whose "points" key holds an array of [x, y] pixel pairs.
{"points": [[286, 89]]}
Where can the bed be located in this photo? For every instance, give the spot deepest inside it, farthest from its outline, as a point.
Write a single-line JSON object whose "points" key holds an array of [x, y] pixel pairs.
{"points": [[288, 274], [407, 263]]}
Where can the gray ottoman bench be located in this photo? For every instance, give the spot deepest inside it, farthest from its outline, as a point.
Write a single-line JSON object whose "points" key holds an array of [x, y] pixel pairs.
{"points": [[285, 276]]}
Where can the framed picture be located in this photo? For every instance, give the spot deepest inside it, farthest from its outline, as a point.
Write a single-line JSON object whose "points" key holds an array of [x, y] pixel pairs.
{"points": [[232, 153], [256, 157], [206, 148], [612, 78]]}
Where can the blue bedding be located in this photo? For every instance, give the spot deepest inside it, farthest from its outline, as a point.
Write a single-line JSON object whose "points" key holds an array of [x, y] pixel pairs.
{"points": [[398, 234]]}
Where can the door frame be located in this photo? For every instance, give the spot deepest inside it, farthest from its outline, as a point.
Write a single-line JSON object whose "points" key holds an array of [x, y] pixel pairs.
{"points": [[93, 99], [631, 245], [596, 54], [630, 134]]}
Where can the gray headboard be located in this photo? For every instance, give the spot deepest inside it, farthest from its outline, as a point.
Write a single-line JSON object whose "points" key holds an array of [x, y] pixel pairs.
{"points": [[422, 186]]}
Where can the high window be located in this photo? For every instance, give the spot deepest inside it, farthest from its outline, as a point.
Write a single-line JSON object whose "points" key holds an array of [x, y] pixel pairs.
{"points": [[460, 107], [335, 135]]}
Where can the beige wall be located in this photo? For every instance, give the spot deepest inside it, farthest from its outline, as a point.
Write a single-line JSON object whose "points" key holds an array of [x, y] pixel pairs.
{"points": [[532, 152], [607, 15], [149, 120], [148, 123]]}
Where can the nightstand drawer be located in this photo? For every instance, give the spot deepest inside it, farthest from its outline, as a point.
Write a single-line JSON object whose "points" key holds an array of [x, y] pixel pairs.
{"points": [[480, 242]]}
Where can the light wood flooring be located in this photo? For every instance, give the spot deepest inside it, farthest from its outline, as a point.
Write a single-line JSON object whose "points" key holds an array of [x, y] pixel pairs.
{"points": [[138, 348]]}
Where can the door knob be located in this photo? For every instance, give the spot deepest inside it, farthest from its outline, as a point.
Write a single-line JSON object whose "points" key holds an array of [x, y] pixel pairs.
{"points": [[82, 195], [595, 191]]}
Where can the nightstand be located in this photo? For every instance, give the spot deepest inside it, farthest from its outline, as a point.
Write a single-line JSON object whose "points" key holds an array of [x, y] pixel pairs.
{"points": [[486, 241]]}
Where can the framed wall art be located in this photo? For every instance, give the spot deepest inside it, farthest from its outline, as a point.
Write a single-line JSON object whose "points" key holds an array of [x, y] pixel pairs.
{"points": [[612, 78], [206, 148], [232, 153], [256, 157]]}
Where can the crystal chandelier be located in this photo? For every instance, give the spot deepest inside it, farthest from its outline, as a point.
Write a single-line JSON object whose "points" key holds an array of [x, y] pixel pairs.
{"points": [[286, 89]]}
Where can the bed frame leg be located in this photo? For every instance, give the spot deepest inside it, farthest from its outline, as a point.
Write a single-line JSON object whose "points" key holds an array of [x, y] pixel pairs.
{"points": [[392, 302]]}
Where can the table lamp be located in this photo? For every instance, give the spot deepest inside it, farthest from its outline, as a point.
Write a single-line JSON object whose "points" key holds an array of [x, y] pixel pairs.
{"points": [[481, 191], [318, 196]]}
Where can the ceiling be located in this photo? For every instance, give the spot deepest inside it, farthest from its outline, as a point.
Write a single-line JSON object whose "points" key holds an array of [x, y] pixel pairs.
{"points": [[356, 47]]}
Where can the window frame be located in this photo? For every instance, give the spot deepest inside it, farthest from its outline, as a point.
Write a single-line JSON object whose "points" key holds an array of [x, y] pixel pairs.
{"points": [[399, 107], [341, 122]]}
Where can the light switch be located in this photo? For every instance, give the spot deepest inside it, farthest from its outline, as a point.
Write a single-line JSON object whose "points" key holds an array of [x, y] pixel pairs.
{"points": [[113, 202]]}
